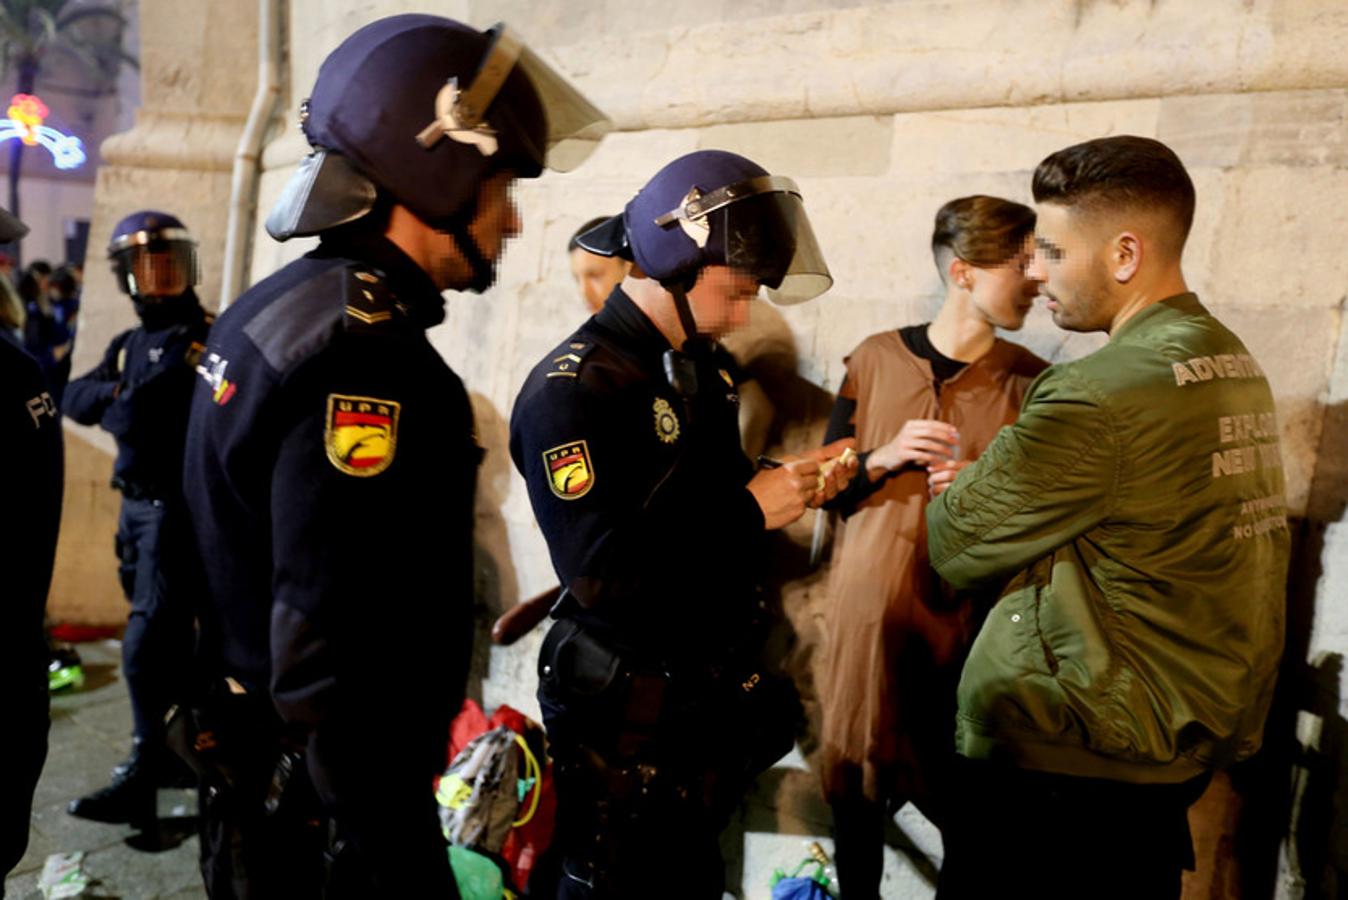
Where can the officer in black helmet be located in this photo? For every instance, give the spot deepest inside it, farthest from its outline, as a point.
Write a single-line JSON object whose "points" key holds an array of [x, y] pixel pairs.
{"points": [[141, 393], [657, 710], [331, 457], [30, 431]]}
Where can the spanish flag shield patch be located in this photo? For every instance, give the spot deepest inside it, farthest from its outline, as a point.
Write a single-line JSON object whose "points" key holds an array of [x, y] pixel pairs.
{"points": [[361, 434], [570, 473]]}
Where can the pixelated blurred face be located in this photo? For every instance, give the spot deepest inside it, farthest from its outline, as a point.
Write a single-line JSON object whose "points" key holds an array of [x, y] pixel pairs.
{"points": [[497, 218], [1004, 294], [596, 276], [720, 299], [495, 221], [158, 273], [1069, 265]]}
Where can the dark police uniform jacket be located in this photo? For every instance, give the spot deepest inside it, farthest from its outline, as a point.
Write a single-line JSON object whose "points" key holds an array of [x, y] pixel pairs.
{"points": [[331, 466], [154, 364], [31, 432], [640, 492]]}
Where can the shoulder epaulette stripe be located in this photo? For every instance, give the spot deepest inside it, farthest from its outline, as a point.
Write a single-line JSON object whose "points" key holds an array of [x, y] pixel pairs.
{"points": [[368, 318], [568, 364]]}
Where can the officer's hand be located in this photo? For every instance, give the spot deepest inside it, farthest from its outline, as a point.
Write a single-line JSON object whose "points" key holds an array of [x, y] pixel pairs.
{"points": [[942, 475], [920, 442], [782, 493], [837, 465]]}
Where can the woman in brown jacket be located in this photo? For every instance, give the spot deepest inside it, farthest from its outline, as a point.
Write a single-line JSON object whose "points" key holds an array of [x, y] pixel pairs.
{"points": [[923, 401]]}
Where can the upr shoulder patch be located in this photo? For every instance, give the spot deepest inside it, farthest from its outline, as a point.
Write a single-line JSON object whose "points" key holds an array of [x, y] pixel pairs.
{"points": [[569, 470], [361, 434]]}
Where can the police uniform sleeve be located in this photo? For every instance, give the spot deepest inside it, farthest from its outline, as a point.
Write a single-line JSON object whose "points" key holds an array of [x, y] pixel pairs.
{"points": [[611, 497], [87, 397], [357, 660], [1043, 481], [154, 392]]}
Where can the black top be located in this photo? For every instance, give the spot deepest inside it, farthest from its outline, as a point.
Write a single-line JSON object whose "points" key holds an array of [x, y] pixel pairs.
{"points": [[141, 392], [31, 432], [943, 368], [331, 467], [917, 338], [640, 492]]}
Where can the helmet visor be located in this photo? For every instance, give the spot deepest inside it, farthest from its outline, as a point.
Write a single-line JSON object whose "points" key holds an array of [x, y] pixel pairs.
{"points": [[760, 226], [574, 125], [160, 268], [155, 263]]}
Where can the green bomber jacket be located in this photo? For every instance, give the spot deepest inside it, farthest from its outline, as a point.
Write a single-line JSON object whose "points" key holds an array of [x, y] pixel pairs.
{"points": [[1133, 525]]}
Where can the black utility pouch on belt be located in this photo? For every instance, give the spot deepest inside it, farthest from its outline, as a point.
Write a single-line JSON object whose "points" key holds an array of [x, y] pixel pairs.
{"points": [[751, 713]]}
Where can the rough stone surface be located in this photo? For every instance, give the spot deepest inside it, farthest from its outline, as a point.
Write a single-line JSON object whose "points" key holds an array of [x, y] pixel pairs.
{"points": [[85, 588], [924, 54], [1298, 128]]}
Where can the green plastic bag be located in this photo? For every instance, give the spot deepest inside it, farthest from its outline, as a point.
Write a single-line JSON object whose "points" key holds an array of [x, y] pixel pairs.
{"points": [[477, 876]]}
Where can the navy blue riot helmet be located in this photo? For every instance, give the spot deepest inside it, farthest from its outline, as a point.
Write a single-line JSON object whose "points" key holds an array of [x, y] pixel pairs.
{"points": [[424, 109], [153, 256], [717, 208]]}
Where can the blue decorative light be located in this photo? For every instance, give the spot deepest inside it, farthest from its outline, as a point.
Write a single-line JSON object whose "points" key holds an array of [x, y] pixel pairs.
{"points": [[26, 113]]}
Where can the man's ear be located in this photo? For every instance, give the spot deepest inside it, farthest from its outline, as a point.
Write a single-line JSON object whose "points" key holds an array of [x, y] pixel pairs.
{"points": [[1125, 256]]}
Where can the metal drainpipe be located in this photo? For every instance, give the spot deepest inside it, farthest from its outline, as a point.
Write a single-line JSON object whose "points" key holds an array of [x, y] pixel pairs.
{"points": [[247, 159]]}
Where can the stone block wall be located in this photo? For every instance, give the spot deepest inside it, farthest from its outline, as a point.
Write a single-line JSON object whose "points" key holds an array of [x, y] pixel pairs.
{"points": [[882, 112]]}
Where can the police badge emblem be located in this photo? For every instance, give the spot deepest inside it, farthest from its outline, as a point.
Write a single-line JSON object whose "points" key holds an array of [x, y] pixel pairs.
{"points": [[666, 423], [570, 474], [361, 434]]}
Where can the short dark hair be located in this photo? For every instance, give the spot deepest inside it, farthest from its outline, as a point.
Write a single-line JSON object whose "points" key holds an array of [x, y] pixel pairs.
{"points": [[63, 280], [981, 230], [1125, 170], [574, 243]]}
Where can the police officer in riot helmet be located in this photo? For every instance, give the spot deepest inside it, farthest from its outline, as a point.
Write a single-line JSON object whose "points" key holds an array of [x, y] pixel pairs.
{"points": [[657, 708], [331, 458], [141, 393]]}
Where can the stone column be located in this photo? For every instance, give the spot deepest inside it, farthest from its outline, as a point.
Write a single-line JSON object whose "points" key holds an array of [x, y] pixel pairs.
{"points": [[198, 68]]}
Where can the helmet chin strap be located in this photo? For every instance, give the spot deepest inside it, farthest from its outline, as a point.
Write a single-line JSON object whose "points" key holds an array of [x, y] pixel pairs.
{"points": [[484, 273], [681, 365], [693, 341]]}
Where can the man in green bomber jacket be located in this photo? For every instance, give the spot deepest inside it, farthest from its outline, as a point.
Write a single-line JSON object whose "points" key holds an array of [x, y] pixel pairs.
{"points": [[1133, 524]]}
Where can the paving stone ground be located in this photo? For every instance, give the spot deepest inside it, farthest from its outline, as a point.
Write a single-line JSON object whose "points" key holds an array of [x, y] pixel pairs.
{"points": [[90, 733]]}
